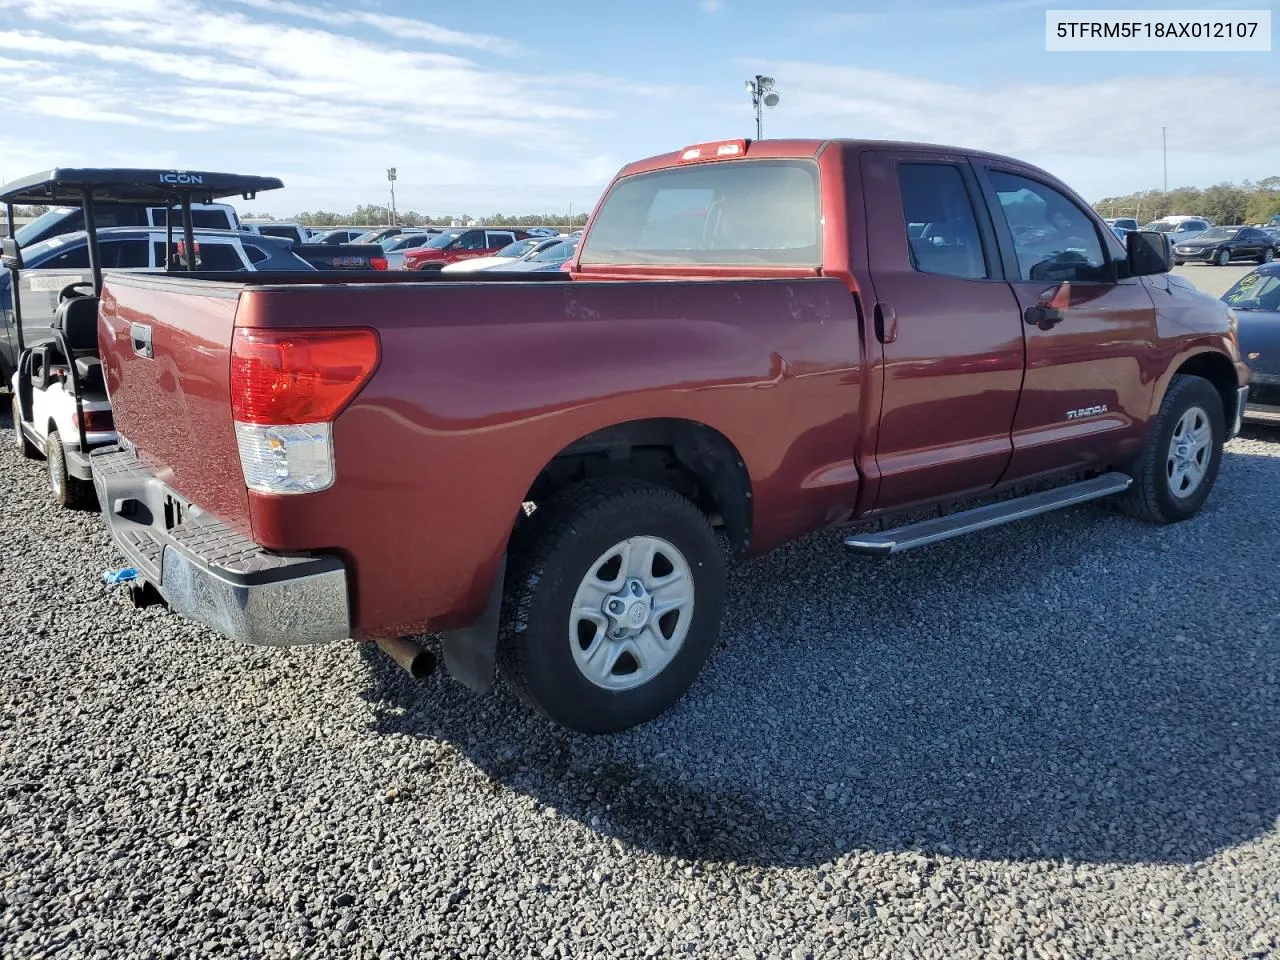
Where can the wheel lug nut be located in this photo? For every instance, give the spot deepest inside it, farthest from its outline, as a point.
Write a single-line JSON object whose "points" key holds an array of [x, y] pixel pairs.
{"points": [[615, 606]]}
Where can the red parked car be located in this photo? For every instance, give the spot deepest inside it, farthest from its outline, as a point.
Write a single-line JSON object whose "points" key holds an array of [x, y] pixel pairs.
{"points": [[450, 248]]}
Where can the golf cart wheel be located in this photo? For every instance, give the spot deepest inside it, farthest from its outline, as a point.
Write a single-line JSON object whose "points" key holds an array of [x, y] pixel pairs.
{"points": [[25, 446], [1223, 258], [70, 492]]}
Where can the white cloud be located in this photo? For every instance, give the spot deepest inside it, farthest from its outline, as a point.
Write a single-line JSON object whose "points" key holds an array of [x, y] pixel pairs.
{"points": [[400, 27], [1107, 120]]}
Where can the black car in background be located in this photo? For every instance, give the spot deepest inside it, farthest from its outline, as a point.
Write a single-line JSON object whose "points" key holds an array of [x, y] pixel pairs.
{"points": [[1221, 245], [1255, 298]]}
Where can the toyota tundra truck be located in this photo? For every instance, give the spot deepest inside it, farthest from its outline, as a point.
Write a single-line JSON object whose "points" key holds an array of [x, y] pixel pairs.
{"points": [[550, 472]]}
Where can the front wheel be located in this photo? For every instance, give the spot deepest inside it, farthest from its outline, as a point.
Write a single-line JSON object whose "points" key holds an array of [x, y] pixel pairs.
{"points": [[1223, 258], [1179, 462], [613, 603], [25, 446]]}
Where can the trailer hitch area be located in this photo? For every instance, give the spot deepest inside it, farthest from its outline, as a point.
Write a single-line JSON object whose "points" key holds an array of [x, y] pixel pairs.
{"points": [[141, 593]]}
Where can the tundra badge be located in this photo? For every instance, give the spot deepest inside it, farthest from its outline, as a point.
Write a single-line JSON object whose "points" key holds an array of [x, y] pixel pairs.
{"points": [[1086, 412]]}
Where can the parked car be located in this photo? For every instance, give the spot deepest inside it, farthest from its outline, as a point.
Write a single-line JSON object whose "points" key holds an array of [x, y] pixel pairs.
{"points": [[550, 257], [477, 242], [284, 229], [540, 467], [339, 256], [1221, 245], [1125, 223], [1255, 299], [378, 234], [394, 247], [1179, 229], [1121, 233], [49, 266], [63, 220], [339, 235], [543, 232], [508, 255]]}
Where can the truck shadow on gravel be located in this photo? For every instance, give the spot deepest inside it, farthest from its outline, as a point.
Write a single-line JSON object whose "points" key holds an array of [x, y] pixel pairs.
{"points": [[1057, 690]]}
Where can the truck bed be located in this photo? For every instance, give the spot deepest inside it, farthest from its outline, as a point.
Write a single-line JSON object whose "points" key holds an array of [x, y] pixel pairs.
{"points": [[482, 381]]}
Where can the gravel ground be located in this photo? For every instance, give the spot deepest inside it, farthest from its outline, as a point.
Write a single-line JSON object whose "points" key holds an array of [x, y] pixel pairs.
{"points": [[1059, 739]]}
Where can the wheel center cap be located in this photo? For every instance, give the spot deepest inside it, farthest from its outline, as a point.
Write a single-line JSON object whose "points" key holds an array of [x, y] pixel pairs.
{"points": [[630, 608]]}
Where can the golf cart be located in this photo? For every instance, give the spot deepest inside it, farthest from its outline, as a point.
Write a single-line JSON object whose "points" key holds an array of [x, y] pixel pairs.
{"points": [[60, 405]]}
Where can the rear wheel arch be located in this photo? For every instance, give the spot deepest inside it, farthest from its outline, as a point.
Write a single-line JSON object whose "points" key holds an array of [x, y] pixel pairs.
{"points": [[687, 456]]}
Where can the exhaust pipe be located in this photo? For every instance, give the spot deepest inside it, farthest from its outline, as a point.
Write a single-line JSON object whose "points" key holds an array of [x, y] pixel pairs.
{"points": [[418, 662]]}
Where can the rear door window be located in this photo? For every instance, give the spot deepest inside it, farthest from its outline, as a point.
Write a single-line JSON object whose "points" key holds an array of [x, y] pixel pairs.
{"points": [[218, 256], [942, 228], [269, 230], [123, 254], [739, 212]]}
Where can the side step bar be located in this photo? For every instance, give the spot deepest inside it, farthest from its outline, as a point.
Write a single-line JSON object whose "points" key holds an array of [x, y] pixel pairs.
{"points": [[982, 518]]}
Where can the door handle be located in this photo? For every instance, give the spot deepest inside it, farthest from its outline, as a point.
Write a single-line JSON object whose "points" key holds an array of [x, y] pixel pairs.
{"points": [[886, 322], [140, 334], [1043, 316]]}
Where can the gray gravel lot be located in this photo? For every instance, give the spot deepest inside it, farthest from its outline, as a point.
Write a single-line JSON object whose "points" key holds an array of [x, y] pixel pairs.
{"points": [[1059, 739], [1214, 280]]}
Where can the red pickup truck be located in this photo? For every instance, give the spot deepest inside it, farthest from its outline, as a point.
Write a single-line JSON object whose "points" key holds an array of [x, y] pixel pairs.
{"points": [[754, 340]]}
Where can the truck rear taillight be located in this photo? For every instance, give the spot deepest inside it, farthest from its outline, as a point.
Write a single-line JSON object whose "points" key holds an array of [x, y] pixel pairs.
{"points": [[378, 263], [287, 387]]}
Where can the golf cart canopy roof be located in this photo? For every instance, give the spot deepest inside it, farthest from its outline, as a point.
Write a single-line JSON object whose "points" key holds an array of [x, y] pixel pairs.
{"points": [[66, 186]]}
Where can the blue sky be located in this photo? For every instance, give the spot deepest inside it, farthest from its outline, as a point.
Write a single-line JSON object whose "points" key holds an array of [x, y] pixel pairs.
{"points": [[526, 106]]}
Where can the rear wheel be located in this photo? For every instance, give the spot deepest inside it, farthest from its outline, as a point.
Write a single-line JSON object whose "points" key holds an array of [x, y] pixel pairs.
{"points": [[25, 446], [1176, 470], [70, 492], [1268, 255], [613, 603], [1223, 258]]}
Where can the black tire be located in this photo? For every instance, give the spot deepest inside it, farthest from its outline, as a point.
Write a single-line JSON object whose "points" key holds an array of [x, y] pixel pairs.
{"points": [[25, 446], [69, 492], [548, 560], [1223, 257], [1267, 255], [1178, 263], [1151, 497]]}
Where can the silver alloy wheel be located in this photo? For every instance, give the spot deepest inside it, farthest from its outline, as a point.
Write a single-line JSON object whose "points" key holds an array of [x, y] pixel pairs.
{"points": [[1224, 258], [631, 613], [1189, 453], [1268, 255]]}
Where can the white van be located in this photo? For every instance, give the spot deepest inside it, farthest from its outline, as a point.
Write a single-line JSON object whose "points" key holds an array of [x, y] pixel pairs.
{"points": [[60, 220]]}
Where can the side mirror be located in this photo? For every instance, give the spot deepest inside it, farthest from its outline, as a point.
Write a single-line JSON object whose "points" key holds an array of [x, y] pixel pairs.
{"points": [[12, 254], [1150, 252]]}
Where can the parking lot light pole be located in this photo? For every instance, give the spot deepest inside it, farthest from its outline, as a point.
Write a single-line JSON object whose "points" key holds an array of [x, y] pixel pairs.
{"points": [[762, 95], [391, 178]]}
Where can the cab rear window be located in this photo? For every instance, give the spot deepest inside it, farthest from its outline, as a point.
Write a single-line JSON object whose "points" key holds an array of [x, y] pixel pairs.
{"points": [[739, 212]]}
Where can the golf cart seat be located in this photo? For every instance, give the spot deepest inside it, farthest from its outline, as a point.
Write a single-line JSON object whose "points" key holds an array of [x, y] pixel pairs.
{"points": [[77, 320]]}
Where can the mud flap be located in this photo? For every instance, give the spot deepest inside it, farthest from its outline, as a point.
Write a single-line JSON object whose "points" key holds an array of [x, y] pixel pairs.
{"points": [[471, 653]]}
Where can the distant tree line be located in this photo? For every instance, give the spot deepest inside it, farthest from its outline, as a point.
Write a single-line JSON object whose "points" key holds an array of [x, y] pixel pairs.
{"points": [[1224, 203], [38, 210]]}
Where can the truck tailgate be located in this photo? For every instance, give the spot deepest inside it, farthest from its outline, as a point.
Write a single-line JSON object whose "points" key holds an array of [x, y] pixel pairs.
{"points": [[172, 399]]}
